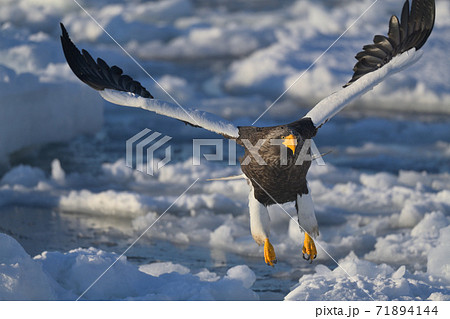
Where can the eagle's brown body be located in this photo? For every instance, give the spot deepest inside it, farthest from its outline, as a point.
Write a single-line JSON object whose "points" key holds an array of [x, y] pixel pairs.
{"points": [[275, 182]]}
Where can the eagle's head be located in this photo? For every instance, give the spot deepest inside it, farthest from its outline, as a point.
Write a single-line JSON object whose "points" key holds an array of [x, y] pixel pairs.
{"points": [[274, 146], [283, 142]]}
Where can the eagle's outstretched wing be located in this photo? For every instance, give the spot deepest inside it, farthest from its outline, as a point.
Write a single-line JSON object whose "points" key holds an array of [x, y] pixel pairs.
{"points": [[121, 89], [386, 56]]}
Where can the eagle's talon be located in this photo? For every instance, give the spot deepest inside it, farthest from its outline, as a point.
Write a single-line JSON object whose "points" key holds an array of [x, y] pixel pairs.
{"points": [[269, 253], [309, 249]]}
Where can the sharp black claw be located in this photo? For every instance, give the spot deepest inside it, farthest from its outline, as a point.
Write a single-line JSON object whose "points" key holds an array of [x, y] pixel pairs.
{"points": [[274, 261], [306, 258]]}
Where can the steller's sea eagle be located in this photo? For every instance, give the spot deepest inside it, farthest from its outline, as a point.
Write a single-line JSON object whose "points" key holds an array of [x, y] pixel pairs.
{"points": [[272, 178]]}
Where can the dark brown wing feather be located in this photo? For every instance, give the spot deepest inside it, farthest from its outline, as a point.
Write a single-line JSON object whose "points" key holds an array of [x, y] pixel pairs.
{"points": [[98, 75], [411, 32]]}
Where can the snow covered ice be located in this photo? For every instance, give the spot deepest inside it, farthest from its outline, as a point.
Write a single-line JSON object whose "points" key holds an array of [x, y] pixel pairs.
{"points": [[69, 206], [56, 275]]}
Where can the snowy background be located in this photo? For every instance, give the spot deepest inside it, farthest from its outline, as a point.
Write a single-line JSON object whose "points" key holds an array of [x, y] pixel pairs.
{"points": [[69, 206]]}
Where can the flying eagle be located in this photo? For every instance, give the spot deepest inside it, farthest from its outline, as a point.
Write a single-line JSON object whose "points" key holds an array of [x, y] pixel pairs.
{"points": [[272, 163]]}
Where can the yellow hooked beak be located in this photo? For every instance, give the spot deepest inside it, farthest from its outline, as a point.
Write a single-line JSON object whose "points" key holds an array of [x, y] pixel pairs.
{"points": [[290, 142]]}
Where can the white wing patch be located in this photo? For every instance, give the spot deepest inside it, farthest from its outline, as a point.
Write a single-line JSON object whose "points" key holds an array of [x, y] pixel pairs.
{"points": [[203, 119], [329, 106]]}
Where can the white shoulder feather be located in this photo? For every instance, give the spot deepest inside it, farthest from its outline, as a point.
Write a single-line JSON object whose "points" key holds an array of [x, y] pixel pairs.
{"points": [[195, 117], [329, 106]]}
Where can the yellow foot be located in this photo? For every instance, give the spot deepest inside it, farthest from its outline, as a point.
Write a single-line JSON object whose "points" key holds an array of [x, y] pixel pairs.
{"points": [[269, 253], [309, 248]]}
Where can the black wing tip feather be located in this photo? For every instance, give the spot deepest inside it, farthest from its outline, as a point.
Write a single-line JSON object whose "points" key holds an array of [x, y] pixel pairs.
{"points": [[412, 31], [98, 75]]}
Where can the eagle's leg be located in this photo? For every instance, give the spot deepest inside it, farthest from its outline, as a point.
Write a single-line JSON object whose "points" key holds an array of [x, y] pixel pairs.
{"points": [[308, 224], [260, 227]]}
